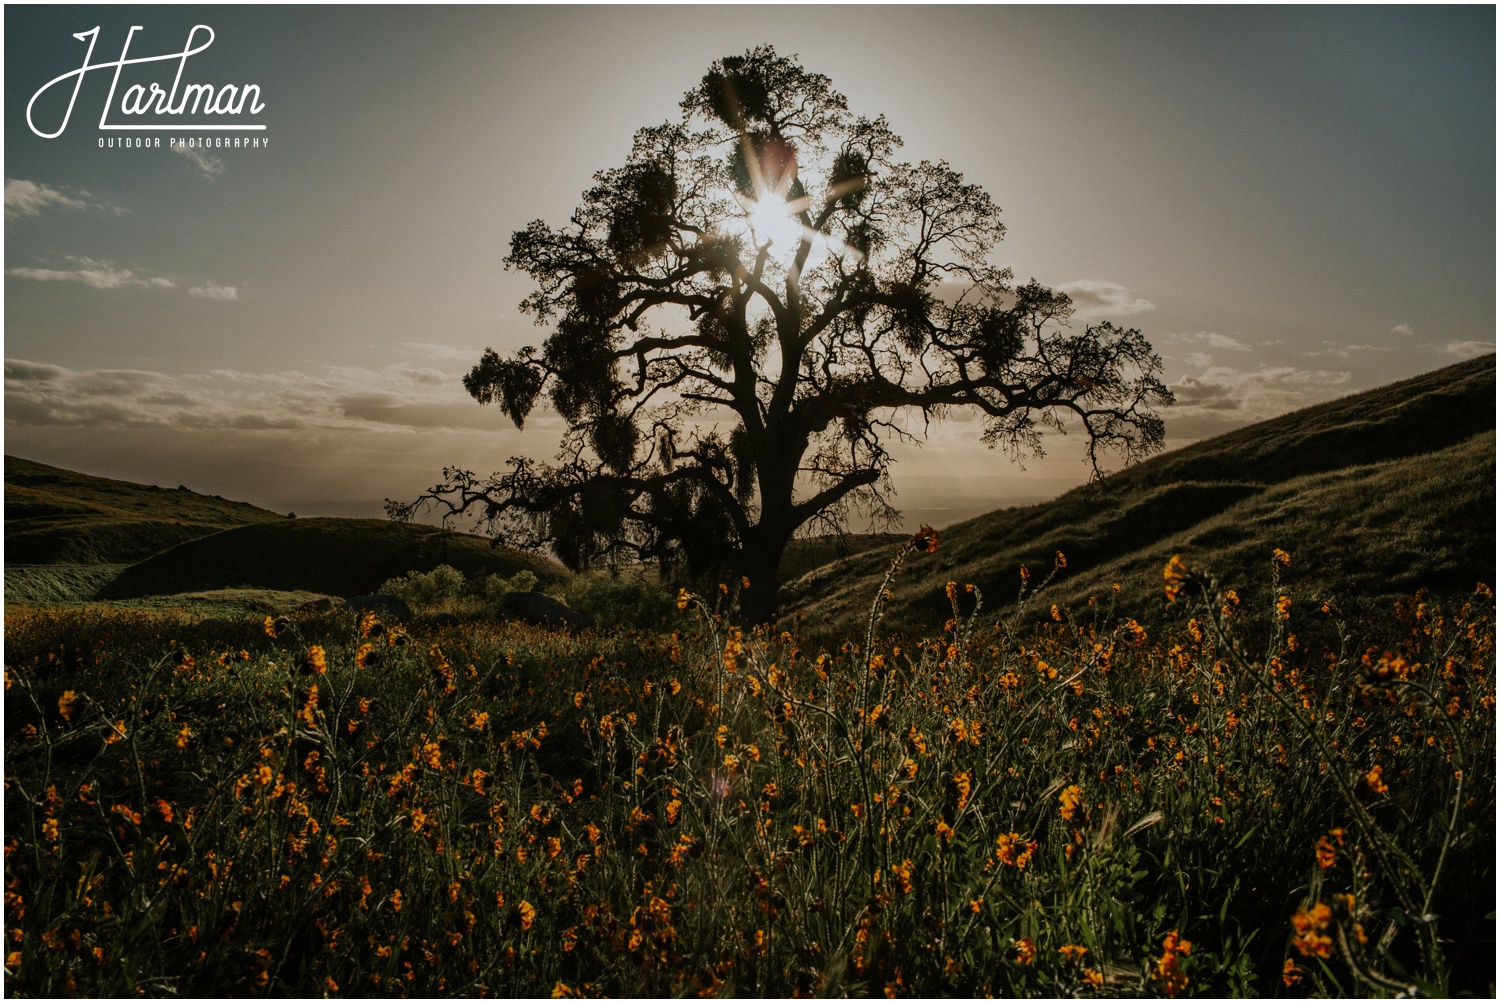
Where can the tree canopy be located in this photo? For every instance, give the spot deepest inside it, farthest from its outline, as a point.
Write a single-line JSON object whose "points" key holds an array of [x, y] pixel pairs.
{"points": [[748, 313]]}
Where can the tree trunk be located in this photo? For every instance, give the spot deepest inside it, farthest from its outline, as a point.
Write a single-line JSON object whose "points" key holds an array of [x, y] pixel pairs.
{"points": [[762, 566]]}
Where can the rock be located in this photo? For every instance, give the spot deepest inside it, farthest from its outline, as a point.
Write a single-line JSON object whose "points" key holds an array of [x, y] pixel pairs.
{"points": [[316, 606], [445, 620], [540, 608], [390, 607]]}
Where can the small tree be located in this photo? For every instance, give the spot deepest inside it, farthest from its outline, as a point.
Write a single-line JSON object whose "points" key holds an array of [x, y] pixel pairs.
{"points": [[748, 312]]}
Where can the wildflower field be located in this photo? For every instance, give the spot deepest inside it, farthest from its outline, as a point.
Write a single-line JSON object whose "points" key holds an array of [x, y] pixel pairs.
{"points": [[1237, 801]]}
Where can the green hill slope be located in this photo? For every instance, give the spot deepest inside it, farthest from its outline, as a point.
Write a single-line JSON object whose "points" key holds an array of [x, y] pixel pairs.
{"points": [[57, 516], [343, 557], [1374, 494]]}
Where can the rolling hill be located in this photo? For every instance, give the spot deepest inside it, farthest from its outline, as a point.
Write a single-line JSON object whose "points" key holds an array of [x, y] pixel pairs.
{"points": [[57, 516], [70, 536], [1375, 494], [341, 557]]}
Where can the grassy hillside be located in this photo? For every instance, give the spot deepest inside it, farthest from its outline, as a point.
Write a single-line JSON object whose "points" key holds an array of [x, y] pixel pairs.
{"points": [[47, 584], [341, 557], [57, 516], [812, 552], [1376, 494]]}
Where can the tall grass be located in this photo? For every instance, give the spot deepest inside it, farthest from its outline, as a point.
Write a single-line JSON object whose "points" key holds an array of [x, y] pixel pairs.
{"points": [[1254, 801]]}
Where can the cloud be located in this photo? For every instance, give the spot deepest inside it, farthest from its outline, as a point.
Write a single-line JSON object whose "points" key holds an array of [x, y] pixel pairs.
{"points": [[452, 354], [1209, 338], [1336, 351], [1221, 398], [95, 275], [206, 163], [1469, 349], [1091, 296], [1403, 329], [214, 292], [27, 198], [40, 395], [107, 275], [22, 371]]}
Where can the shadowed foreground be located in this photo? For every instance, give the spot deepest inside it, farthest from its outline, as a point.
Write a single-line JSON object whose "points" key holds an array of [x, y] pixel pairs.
{"points": [[1067, 808]]}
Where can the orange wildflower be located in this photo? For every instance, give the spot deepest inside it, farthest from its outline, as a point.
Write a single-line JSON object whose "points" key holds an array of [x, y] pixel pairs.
{"points": [[1311, 925], [1011, 850], [1174, 577], [1168, 969]]}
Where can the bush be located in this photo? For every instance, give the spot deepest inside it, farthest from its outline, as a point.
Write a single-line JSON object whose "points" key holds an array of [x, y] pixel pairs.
{"points": [[496, 588], [625, 600], [438, 587]]}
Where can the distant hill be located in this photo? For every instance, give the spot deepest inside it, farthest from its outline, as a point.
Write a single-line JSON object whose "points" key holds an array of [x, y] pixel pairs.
{"points": [[342, 557], [1374, 495], [57, 516]]}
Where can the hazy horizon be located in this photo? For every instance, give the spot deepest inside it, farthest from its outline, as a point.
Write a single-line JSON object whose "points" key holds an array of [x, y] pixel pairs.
{"points": [[1293, 205]]}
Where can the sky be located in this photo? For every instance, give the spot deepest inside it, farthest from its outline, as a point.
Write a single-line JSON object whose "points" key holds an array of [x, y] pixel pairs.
{"points": [[1291, 204]]}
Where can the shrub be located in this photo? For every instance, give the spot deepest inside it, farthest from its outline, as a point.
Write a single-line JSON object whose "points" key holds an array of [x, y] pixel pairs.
{"points": [[627, 600], [496, 587], [440, 586]]}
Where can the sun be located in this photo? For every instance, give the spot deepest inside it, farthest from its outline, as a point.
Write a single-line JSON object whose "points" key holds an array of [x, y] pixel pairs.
{"points": [[771, 218]]}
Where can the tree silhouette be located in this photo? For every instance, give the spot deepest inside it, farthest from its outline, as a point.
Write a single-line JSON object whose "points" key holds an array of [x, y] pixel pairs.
{"points": [[747, 313]]}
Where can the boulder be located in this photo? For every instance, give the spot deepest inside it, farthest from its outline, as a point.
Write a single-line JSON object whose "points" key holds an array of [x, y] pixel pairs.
{"points": [[444, 620], [388, 607], [316, 606], [540, 608]]}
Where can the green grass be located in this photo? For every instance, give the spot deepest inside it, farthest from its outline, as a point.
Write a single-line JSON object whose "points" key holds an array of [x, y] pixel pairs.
{"points": [[1386, 492], [57, 516], [48, 584], [487, 810]]}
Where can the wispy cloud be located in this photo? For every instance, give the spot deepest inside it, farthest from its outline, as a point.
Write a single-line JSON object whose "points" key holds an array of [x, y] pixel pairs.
{"points": [[1222, 397], [107, 275], [1094, 297], [206, 164], [1337, 351], [1405, 329], [27, 198], [1469, 349], [414, 398], [94, 274], [1209, 338], [214, 292], [452, 354]]}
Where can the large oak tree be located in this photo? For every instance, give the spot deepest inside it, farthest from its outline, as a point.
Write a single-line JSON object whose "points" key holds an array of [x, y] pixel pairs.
{"points": [[748, 313]]}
